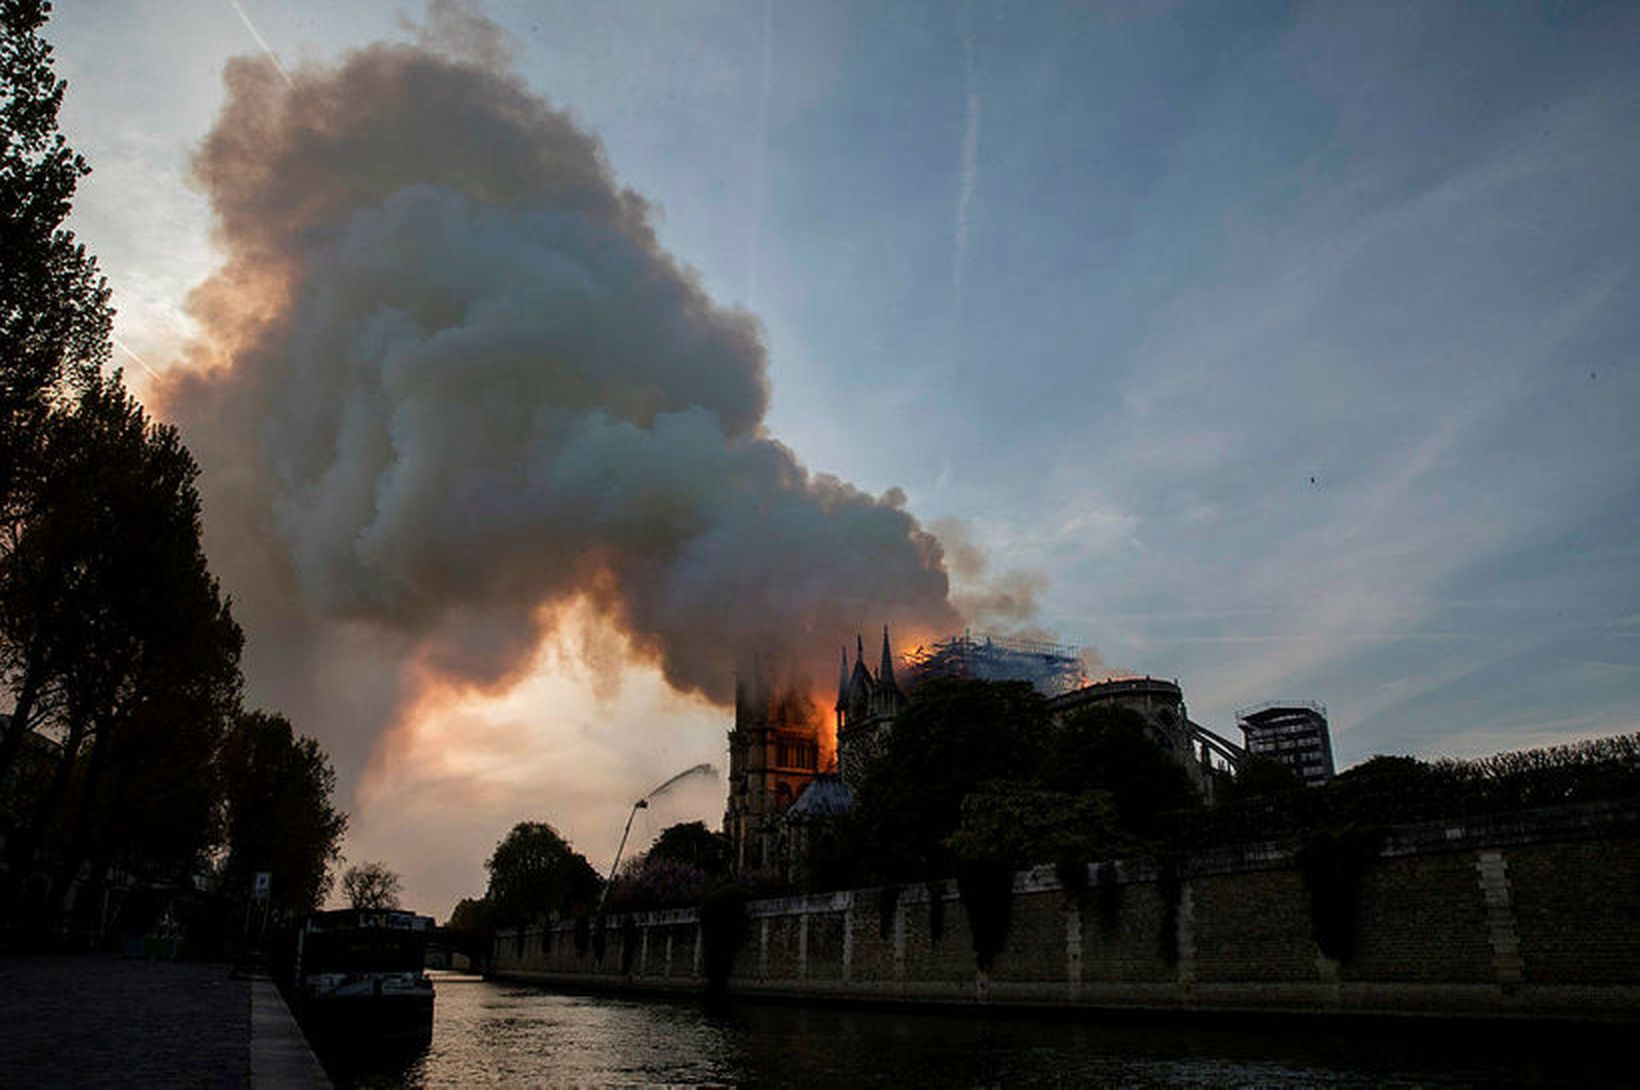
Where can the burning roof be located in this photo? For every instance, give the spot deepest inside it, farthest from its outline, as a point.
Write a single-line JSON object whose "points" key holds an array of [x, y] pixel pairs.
{"points": [[1053, 668]]}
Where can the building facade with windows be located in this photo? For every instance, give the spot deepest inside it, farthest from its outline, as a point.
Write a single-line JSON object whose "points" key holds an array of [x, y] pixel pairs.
{"points": [[1293, 732]]}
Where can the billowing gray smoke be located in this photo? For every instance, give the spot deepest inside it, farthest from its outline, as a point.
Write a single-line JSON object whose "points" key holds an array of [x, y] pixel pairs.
{"points": [[451, 385]]}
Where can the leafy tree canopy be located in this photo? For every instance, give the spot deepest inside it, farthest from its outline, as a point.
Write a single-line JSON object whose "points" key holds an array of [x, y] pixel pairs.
{"points": [[115, 640], [113, 631], [658, 881], [1259, 777], [277, 790], [976, 771], [471, 914], [951, 738], [54, 314], [693, 843], [535, 874], [1110, 749], [1014, 822]]}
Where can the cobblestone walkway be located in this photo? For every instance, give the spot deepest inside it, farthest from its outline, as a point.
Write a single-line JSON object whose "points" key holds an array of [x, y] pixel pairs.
{"points": [[98, 1020]]}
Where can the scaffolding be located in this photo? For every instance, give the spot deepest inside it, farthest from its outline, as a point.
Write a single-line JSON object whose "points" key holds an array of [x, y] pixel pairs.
{"points": [[1053, 668]]}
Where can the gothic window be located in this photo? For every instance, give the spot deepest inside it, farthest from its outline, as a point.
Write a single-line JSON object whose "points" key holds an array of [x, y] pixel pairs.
{"points": [[793, 753]]}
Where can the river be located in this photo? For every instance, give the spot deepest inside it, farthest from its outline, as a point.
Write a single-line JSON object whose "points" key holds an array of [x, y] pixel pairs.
{"points": [[496, 1034]]}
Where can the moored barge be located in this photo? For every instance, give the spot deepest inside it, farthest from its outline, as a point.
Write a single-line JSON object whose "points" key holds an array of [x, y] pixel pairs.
{"points": [[358, 979]]}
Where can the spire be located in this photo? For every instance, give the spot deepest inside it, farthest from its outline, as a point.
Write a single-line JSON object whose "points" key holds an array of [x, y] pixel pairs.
{"points": [[860, 685], [842, 683], [885, 673]]}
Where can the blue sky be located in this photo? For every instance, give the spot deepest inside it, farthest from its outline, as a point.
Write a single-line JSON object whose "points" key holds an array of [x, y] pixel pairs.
{"points": [[1112, 284]]}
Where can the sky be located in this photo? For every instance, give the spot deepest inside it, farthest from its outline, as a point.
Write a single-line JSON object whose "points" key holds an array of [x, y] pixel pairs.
{"points": [[1288, 348]]}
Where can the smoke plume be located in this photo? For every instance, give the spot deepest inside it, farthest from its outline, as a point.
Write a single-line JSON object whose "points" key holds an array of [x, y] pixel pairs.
{"points": [[451, 388]]}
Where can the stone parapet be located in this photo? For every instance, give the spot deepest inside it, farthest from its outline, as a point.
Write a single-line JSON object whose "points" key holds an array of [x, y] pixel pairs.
{"points": [[1527, 916]]}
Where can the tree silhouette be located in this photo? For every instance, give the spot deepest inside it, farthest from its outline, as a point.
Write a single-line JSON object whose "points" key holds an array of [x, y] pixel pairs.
{"points": [[113, 631], [693, 843], [116, 642], [54, 314], [534, 874], [952, 738], [1111, 749], [470, 914], [371, 885], [278, 813]]}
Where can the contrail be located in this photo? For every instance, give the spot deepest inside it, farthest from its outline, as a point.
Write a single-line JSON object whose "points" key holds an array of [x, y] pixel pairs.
{"points": [[261, 41], [762, 156], [970, 158], [121, 345]]}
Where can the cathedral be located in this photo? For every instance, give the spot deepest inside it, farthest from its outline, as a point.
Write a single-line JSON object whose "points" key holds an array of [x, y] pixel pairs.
{"points": [[774, 755], [866, 709], [782, 791], [776, 781]]}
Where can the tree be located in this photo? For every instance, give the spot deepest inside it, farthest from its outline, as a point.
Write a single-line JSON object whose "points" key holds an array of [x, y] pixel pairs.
{"points": [[54, 314], [1110, 749], [1020, 824], [114, 637], [1259, 776], [278, 812], [371, 885], [112, 495], [114, 634], [658, 881], [471, 914], [951, 738], [693, 843], [55, 327], [535, 874], [1387, 788]]}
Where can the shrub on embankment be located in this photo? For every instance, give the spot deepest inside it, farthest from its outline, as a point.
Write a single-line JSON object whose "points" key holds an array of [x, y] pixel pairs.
{"points": [[723, 926], [1399, 790]]}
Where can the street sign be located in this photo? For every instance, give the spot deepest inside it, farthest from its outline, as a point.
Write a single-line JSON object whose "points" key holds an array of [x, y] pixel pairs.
{"points": [[264, 880]]}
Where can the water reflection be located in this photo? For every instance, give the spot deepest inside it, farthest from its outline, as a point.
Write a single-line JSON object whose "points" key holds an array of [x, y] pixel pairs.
{"points": [[489, 1034]]}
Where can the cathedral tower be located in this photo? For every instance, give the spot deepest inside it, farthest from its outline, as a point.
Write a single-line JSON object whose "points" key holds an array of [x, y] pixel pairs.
{"points": [[866, 709], [774, 753]]}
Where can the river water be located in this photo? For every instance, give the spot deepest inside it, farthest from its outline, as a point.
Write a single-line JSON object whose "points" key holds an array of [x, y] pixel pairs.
{"points": [[494, 1034]]}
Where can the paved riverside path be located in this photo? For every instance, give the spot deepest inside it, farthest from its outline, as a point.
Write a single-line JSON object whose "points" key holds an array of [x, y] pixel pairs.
{"points": [[100, 1020]]}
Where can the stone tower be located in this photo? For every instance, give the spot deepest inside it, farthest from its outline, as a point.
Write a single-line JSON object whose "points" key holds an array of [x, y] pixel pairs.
{"points": [[774, 753], [866, 709]]}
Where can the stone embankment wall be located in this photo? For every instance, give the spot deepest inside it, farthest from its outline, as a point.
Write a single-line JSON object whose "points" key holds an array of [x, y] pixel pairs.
{"points": [[1538, 915]]}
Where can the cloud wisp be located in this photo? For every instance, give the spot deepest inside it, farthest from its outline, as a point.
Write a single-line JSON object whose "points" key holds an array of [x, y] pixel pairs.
{"points": [[1383, 399], [760, 158], [970, 161]]}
